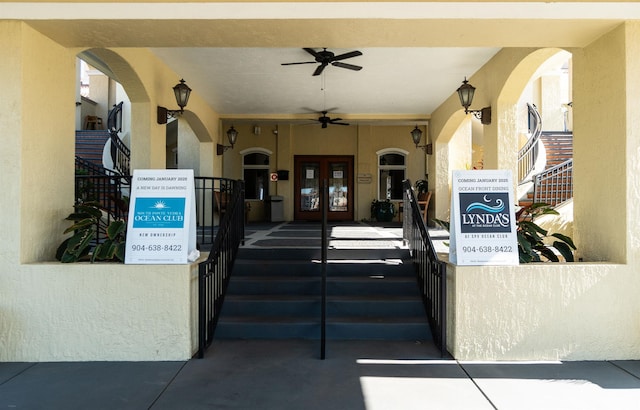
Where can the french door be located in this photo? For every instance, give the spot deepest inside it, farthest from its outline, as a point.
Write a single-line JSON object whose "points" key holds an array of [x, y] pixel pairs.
{"points": [[310, 172]]}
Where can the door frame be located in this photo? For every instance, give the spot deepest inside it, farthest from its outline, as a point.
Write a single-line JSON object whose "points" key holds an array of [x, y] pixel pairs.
{"points": [[324, 162]]}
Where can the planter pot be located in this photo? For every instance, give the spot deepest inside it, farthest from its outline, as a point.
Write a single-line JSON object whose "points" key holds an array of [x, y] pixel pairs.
{"points": [[385, 212]]}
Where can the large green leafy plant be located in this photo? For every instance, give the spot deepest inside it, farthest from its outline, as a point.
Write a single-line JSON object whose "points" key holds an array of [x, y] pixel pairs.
{"points": [[533, 240], [87, 220]]}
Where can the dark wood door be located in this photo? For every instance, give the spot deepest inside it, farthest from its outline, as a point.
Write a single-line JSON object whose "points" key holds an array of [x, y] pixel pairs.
{"points": [[310, 172]]}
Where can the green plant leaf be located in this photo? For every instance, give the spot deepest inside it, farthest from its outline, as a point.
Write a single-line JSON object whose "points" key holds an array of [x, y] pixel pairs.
{"points": [[524, 243], [564, 239], [91, 208], [120, 251], [85, 224], [104, 251], [115, 228], [564, 250], [547, 253], [443, 224]]}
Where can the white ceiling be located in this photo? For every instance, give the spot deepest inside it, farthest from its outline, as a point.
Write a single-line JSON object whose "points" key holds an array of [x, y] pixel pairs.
{"points": [[415, 54], [407, 81]]}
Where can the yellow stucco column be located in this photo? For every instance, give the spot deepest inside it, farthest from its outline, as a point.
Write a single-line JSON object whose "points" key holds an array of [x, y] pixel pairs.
{"points": [[38, 123], [606, 146]]}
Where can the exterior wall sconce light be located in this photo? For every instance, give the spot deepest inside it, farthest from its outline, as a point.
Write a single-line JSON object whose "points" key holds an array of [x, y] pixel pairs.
{"points": [[416, 136], [465, 92], [232, 136], [182, 92]]}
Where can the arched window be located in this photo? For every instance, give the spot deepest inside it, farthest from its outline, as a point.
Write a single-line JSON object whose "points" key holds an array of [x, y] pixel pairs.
{"points": [[391, 172], [255, 167]]}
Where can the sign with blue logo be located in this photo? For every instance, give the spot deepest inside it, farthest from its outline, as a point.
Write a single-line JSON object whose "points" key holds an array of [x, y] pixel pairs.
{"points": [[158, 212], [482, 228], [161, 226]]}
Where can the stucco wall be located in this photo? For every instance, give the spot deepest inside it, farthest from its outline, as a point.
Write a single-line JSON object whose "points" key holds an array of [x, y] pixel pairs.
{"points": [[362, 141], [105, 311], [576, 311]]}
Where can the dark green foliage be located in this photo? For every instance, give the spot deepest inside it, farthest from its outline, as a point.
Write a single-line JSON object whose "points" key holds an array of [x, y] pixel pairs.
{"points": [[86, 220], [531, 236]]}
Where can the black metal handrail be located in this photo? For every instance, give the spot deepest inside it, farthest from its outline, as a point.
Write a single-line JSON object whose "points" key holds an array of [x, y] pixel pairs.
{"points": [[106, 189], [215, 272], [120, 153], [554, 185], [324, 196], [430, 271], [112, 190], [528, 154]]}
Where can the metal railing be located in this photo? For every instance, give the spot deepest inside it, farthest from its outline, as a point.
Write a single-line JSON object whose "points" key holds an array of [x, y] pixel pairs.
{"points": [[555, 185], [111, 190], [528, 154], [430, 271], [215, 272], [106, 189], [120, 153]]}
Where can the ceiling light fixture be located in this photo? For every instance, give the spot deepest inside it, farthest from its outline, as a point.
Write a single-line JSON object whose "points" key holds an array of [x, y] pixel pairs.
{"points": [[182, 92], [416, 136], [232, 136], [465, 92]]}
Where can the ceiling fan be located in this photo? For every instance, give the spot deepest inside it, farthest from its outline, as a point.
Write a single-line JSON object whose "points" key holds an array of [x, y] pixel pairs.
{"points": [[325, 121], [325, 58]]}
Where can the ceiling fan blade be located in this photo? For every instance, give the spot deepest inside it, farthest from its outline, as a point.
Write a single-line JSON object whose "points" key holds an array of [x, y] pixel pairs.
{"points": [[347, 66], [339, 123], [311, 51], [319, 69], [335, 119], [347, 55], [303, 62]]}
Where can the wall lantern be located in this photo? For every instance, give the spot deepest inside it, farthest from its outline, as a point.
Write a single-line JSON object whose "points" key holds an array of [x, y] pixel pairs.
{"points": [[416, 136], [232, 136], [182, 92], [465, 92]]}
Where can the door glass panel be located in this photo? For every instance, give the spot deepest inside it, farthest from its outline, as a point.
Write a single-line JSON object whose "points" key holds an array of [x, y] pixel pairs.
{"points": [[310, 186], [338, 187]]}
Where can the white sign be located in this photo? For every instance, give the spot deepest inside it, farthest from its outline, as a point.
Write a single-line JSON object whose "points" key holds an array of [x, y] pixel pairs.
{"points": [[482, 225], [162, 217]]}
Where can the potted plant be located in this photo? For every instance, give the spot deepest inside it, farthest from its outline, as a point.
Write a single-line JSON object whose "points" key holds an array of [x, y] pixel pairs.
{"points": [[382, 211], [421, 188]]}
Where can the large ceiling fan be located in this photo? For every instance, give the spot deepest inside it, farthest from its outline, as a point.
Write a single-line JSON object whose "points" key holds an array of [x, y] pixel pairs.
{"points": [[325, 58], [324, 120]]}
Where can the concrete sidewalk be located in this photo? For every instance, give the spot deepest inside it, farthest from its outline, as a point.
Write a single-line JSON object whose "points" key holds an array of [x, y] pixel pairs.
{"points": [[356, 375]]}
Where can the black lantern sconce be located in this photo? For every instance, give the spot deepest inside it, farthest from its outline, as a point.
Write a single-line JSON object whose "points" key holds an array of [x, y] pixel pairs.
{"points": [[416, 136], [182, 92], [465, 92], [232, 136]]}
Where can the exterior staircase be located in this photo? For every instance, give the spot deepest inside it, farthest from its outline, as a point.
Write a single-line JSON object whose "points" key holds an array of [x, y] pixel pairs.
{"points": [[559, 149], [276, 294], [559, 146], [90, 145]]}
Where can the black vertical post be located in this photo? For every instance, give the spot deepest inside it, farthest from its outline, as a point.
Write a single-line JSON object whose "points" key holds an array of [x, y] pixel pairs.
{"points": [[324, 196]]}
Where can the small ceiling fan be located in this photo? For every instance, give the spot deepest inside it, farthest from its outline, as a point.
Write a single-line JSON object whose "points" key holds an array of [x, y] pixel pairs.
{"points": [[325, 121], [325, 58]]}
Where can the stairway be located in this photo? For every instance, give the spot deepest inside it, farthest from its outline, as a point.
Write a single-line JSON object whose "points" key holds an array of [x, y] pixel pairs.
{"points": [[90, 145], [559, 148], [275, 294]]}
